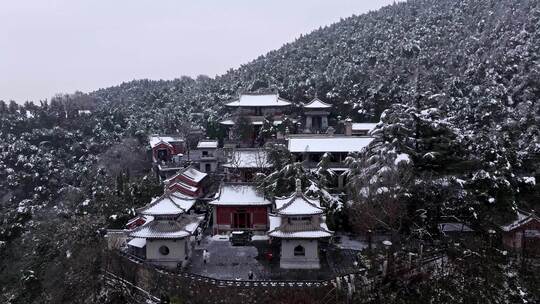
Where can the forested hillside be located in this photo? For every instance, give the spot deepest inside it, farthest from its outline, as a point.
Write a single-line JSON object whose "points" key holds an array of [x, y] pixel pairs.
{"points": [[365, 63], [459, 80]]}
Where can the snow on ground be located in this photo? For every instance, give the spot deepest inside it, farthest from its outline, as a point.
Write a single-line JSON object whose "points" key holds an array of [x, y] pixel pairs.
{"points": [[218, 237], [351, 243], [260, 238], [225, 261]]}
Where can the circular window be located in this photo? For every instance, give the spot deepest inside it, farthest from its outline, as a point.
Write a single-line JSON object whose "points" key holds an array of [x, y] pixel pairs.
{"points": [[164, 250]]}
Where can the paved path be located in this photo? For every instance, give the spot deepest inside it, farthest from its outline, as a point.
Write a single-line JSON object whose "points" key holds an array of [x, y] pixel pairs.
{"points": [[226, 261], [235, 262]]}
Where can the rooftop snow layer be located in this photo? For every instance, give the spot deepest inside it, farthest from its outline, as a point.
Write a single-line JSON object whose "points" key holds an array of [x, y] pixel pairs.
{"points": [[360, 126], [259, 100], [274, 221], [247, 158], [168, 204], [523, 218], [183, 185], [207, 144], [159, 229], [328, 144], [189, 173], [317, 104], [137, 242], [298, 204], [232, 194], [227, 122], [194, 174], [154, 140], [314, 233]]}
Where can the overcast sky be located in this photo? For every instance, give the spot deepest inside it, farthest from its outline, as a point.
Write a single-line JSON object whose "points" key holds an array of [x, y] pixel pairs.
{"points": [[53, 46]]}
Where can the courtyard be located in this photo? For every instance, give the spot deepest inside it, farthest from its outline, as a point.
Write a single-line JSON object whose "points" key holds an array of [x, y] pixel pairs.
{"points": [[228, 262]]}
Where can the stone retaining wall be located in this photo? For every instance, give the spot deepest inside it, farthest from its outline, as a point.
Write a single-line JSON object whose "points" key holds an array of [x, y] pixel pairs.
{"points": [[190, 288]]}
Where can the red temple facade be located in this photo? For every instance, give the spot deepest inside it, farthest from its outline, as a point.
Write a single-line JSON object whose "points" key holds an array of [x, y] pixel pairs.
{"points": [[189, 181], [523, 234], [165, 148], [240, 207]]}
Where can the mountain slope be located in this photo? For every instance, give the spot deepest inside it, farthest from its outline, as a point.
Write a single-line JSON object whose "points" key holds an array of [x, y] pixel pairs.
{"points": [[364, 63]]}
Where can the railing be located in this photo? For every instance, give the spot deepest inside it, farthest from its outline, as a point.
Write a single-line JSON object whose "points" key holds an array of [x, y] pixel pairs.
{"points": [[171, 164], [346, 284], [231, 282]]}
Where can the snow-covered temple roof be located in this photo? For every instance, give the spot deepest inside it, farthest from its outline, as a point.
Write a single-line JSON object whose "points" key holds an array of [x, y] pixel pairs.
{"points": [[138, 220], [189, 173], [298, 204], [183, 185], [171, 229], [155, 140], [247, 158], [207, 144], [328, 143], [316, 104], [257, 121], [170, 203], [522, 219], [239, 194], [137, 242], [259, 100], [309, 233], [363, 126], [194, 174]]}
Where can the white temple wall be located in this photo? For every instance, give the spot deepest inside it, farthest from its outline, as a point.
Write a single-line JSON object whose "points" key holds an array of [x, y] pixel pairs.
{"points": [[177, 252], [310, 260]]}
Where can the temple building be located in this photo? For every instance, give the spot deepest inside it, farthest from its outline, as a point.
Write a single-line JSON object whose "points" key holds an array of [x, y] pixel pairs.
{"points": [[189, 181], [252, 109], [310, 148], [244, 163], [167, 154], [240, 207], [316, 116], [299, 224], [359, 128], [522, 234], [166, 239], [206, 155]]}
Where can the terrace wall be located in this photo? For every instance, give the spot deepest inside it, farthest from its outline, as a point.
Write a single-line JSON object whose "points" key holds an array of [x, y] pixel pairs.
{"points": [[192, 288]]}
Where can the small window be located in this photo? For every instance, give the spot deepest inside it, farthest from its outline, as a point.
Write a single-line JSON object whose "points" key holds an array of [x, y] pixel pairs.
{"points": [[299, 251], [204, 153], [164, 250], [207, 168]]}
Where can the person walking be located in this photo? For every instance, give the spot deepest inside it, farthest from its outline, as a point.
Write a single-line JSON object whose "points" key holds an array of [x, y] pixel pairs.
{"points": [[199, 238], [206, 256]]}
